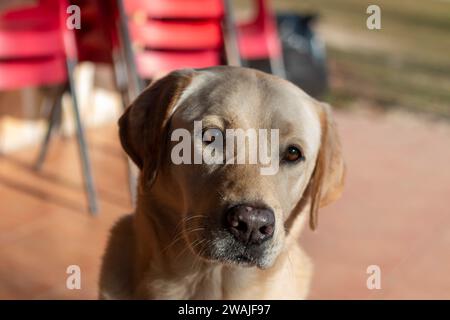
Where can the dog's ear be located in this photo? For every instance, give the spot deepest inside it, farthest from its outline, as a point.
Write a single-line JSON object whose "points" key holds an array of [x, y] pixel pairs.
{"points": [[327, 180], [143, 126]]}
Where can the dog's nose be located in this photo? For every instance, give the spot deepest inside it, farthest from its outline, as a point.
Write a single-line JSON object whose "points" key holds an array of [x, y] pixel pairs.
{"points": [[250, 225]]}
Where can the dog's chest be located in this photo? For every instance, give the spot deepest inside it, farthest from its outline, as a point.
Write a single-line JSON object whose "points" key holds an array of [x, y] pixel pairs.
{"points": [[196, 285]]}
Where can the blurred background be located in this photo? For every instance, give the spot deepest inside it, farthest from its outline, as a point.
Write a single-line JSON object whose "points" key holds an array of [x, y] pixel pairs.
{"points": [[67, 70]]}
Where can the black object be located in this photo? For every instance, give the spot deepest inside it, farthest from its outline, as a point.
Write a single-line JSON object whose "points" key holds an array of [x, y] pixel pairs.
{"points": [[303, 53]]}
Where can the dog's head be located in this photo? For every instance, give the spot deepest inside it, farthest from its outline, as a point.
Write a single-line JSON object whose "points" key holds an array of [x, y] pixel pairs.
{"points": [[234, 206]]}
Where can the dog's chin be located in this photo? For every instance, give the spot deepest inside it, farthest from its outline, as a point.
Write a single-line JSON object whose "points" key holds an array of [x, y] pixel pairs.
{"points": [[248, 262], [236, 257], [238, 261]]}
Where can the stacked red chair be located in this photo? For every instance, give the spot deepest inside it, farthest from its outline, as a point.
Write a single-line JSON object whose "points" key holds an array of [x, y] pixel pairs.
{"points": [[94, 39], [258, 38], [37, 49], [175, 34]]}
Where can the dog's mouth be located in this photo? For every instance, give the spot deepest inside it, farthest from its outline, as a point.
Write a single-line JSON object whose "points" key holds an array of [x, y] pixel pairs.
{"points": [[225, 250], [245, 260]]}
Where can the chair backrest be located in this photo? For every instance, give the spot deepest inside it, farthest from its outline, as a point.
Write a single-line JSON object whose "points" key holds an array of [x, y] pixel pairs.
{"points": [[36, 31], [175, 34], [97, 37], [34, 44], [263, 7], [176, 24], [258, 38], [176, 9]]}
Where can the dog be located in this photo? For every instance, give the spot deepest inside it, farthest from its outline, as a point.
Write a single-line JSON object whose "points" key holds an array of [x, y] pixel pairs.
{"points": [[221, 231]]}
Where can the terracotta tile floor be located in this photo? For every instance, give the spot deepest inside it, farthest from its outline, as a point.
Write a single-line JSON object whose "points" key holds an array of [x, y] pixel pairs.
{"points": [[395, 213]]}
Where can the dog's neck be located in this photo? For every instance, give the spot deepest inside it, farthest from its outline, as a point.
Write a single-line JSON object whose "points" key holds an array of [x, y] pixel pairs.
{"points": [[166, 266]]}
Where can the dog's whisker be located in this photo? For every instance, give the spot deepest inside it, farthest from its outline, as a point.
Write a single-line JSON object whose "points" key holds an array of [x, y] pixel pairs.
{"points": [[186, 219], [198, 244], [179, 236], [187, 247], [179, 254], [198, 216], [189, 232], [179, 231], [198, 257]]}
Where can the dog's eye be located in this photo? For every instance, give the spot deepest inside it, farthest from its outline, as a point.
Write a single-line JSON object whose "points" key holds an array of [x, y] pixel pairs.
{"points": [[210, 135], [293, 154]]}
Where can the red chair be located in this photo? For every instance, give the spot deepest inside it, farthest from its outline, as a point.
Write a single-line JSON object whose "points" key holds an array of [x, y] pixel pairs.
{"points": [[36, 49], [31, 48], [177, 9], [175, 34], [94, 41], [258, 39], [153, 63]]}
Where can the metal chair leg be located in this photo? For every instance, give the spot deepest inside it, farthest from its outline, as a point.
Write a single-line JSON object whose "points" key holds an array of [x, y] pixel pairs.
{"points": [[132, 172], [121, 80], [135, 82], [132, 180], [230, 37], [54, 115], [133, 85], [277, 67], [85, 163]]}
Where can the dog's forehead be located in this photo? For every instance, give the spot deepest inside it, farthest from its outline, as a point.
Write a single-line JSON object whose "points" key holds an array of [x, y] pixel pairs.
{"points": [[248, 98]]}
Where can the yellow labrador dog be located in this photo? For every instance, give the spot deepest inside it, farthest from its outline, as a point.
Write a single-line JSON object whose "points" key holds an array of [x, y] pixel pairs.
{"points": [[221, 230]]}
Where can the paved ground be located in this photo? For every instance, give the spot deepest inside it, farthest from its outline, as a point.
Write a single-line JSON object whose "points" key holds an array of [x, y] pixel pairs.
{"points": [[394, 214]]}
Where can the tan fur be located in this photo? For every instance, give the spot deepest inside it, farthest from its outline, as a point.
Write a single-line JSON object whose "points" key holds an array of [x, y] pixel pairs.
{"points": [[162, 251]]}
